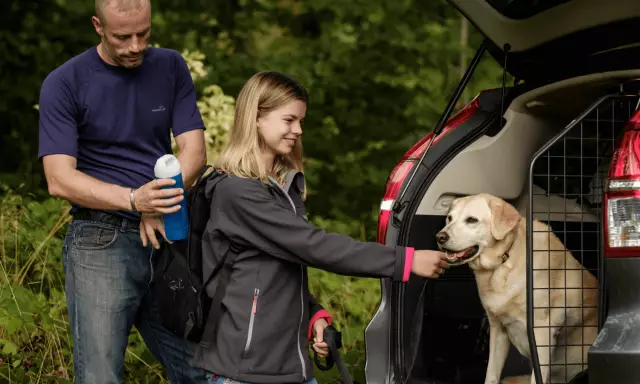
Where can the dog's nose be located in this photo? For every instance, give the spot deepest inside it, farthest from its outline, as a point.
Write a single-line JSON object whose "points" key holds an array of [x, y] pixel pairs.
{"points": [[442, 237]]}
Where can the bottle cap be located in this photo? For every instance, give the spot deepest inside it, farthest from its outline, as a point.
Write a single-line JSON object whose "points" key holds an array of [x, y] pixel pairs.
{"points": [[167, 167]]}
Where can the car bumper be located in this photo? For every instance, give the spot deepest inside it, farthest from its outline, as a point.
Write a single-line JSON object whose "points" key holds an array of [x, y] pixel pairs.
{"points": [[615, 355]]}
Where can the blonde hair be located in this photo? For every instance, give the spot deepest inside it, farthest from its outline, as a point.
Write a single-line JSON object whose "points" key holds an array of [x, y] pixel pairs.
{"points": [[262, 93]]}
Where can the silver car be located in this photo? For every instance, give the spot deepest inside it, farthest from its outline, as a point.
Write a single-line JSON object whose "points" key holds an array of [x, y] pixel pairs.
{"points": [[546, 143]]}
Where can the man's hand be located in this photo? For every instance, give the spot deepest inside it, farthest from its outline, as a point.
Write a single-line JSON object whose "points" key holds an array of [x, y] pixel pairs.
{"points": [[150, 198], [149, 224], [319, 345], [429, 264]]}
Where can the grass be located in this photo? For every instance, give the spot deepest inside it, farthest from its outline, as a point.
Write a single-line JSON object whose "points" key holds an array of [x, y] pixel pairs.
{"points": [[35, 340]]}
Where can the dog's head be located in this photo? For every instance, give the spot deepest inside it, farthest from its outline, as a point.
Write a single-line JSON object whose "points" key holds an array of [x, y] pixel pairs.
{"points": [[478, 231]]}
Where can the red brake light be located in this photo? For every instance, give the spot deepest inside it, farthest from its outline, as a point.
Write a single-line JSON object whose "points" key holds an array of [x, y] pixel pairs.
{"points": [[391, 190], [403, 168], [622, 196]]}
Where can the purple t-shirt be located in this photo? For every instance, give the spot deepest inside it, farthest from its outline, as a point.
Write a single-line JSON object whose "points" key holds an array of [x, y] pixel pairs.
{"points": [[117, 122]]}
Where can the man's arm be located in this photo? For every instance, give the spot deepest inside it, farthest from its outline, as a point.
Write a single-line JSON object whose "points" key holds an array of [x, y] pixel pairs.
{"points": [[66, 182], [191, 155]]}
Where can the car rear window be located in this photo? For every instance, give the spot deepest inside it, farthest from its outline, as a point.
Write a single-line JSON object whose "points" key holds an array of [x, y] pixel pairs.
{"points": [[523, 9]]}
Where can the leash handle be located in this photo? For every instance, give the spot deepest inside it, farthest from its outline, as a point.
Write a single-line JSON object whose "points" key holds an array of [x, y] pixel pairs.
{"points": [[333, 338], [329, 360]]}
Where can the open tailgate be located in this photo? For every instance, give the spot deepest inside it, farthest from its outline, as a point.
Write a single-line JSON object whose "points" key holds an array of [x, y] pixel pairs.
{"points": [[547, 34]]}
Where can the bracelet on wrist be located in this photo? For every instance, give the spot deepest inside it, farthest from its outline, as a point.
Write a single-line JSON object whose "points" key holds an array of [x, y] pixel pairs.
{"points": [[132, 200]]}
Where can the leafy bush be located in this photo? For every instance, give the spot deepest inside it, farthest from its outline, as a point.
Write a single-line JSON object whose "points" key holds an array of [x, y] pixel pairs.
{"points": [[216, 108], [35, 339], [33, 328]]}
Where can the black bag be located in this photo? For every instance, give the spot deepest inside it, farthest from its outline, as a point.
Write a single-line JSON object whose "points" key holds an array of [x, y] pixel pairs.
{"points": [[177, 276]]}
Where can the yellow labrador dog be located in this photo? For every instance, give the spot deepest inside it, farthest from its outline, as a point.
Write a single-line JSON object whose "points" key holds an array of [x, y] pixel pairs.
{"points": [[489, 235]]}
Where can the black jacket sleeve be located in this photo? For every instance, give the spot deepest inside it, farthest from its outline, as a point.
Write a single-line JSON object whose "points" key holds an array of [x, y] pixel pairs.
{"points": [[314, 306], [251, 216]]}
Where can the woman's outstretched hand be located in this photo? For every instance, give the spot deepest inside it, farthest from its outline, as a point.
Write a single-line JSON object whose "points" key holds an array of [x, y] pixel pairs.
{"points": [[430, 264]]}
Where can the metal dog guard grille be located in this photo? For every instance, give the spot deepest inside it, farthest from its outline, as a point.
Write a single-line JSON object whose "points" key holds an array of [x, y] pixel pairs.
{"points": [[572, 166]]}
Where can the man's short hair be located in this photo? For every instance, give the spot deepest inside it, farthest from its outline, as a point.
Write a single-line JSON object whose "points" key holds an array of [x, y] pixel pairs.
{"points": [[121, 6]]}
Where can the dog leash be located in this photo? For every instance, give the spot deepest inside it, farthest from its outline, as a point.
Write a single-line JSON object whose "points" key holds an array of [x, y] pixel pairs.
{"points": [[333, 338]]}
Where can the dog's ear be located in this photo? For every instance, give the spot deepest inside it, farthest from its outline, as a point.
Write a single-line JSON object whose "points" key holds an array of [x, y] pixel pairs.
{"points": [[454, 202], [504, 218]]}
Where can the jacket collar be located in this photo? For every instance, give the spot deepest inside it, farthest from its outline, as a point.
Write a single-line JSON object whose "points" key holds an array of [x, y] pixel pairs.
{"points": [[295, 179]]}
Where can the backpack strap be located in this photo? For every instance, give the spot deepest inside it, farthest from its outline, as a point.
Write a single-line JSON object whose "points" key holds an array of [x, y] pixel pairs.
{"points": [[192, 190], [222, 275], [209, 184], [204, 170], [222, 281]]}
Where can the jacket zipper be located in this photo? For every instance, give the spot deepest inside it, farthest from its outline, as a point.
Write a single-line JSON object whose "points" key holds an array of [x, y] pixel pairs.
{"points": [[304, 368], [254, 309]]}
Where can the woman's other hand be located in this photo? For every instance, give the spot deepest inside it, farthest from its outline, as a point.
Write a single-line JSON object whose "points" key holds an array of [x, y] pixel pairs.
{"points": [[319, 345]]}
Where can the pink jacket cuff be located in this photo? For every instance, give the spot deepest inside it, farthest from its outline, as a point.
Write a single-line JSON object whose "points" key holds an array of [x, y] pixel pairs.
{"points": [[408, 263], [321, 314]]}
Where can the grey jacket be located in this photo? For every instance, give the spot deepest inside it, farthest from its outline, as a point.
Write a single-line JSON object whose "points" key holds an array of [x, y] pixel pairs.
{"points": [[263, 331]]}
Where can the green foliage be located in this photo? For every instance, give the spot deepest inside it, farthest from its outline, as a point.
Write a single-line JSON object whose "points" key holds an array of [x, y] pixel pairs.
{"points": [[35, 339], [29, 242], [33, 330], [215, 107], [35, 37], [352, 303]]}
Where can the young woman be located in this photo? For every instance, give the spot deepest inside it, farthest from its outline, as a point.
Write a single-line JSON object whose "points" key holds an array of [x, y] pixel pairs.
{"points": [[269, 315]]}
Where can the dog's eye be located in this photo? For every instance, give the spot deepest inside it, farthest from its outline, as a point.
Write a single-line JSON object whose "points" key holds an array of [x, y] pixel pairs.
{"points": [[471, 220], [449, 218]]}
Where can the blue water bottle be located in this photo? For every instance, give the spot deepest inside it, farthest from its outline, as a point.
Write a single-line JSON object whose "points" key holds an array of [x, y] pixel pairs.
{"points": [[176, 225]]}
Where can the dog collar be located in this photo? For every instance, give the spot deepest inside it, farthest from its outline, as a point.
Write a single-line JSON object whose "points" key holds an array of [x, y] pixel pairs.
{"points": [[505, 256]]}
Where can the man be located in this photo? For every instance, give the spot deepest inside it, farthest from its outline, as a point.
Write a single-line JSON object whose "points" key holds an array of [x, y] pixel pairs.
{"points": [[106, 116]]}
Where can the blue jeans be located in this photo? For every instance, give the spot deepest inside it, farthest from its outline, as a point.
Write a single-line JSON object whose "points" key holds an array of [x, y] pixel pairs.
{"points": [[213, 379], [108, 274]]}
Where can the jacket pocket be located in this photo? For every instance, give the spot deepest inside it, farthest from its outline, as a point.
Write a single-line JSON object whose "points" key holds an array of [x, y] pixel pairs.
{"points": [[252, 319]]}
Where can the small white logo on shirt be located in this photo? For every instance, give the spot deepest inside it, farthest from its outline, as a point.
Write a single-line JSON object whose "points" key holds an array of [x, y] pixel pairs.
{"points": [[159, 109]]}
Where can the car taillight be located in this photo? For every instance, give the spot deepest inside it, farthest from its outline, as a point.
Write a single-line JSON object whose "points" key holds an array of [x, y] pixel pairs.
{"points": [[622, 196], [403, 168]]}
